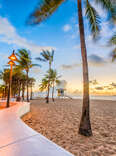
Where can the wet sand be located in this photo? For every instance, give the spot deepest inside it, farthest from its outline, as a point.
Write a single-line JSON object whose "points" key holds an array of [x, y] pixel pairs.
{"points": [[59, 122]]}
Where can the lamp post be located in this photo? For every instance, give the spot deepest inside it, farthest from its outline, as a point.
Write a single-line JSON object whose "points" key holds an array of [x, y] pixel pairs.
{"points": [[11, 63]]}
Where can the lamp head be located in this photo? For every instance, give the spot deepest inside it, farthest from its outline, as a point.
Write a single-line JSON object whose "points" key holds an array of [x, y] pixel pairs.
{"points": [[11, 63], [13, 56]]}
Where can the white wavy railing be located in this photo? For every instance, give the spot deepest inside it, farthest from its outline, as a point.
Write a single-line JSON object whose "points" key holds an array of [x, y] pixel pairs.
{"points": [[17, 139]]}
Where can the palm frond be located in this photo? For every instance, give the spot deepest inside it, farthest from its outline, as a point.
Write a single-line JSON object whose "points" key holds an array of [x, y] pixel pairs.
{"points": [[94, 19], [40, 59], [109, 6], [46, 55], [112, 40], [24, 59], [113, 55], [44, 84], [44, 10], [35, 65]]}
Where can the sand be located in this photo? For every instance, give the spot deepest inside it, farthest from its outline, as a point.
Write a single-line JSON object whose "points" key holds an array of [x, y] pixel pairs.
{"points": [[59, 122]]}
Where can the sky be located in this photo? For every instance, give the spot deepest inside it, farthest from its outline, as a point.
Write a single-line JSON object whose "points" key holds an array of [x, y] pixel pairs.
{"points": [[60, 32]]}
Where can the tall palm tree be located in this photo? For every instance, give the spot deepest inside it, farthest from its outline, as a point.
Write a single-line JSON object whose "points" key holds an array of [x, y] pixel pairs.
{"points": [[45, 9], [53, 76], [47, 56], [25, 63]]}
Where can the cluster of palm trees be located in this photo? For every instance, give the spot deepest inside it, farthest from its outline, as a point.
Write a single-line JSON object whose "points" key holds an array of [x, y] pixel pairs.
{"points": [[51, 78], [25, 64], [20, 78], [21, 81], [47, 7]]}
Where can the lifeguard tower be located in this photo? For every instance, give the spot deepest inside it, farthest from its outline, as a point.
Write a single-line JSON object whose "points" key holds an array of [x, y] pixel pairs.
{"points": [[61, 88]]}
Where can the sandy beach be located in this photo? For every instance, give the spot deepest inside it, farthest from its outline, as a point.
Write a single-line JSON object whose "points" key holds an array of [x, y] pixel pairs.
{"points": [[59, 122]]}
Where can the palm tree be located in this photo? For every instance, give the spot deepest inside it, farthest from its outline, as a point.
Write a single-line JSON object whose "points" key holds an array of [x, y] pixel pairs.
{"points": [[45, 9], [17, 80], [44, 84], [54, 79], [25, 63], [47, 56], [4, 75], [2, 90]]}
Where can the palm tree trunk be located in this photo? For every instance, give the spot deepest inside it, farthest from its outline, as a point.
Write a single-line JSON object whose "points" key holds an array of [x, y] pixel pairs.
{"points": [[47, 99], [53, 92], [5, 91], [27, 87], [85, 125], [31, 97], [23, 91], [19, 88], [9, 90]]}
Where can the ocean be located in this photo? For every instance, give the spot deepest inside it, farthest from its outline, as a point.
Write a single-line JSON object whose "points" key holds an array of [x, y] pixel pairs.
{"points": [[93, 97]]}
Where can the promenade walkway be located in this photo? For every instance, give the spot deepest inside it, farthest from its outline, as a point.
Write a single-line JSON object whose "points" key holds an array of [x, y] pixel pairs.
{"points": [[17, 139]]}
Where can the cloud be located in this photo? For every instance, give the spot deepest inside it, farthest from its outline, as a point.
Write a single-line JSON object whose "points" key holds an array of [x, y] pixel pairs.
{"points": [[69, 67], [99, 88], [113, 85], [35, 70], [76, 92], [108, 87], [67, 28], [93, 82], [62, 84], [9, 35], [102, 12], [95, 60]]}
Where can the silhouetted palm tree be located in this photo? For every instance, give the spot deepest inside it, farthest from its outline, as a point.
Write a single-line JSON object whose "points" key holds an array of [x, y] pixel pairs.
{"points": [[45, 9], [47, 56]]}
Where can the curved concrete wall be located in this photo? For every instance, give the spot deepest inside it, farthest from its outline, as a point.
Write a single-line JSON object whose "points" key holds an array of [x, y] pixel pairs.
{"points": [[17, 139]]}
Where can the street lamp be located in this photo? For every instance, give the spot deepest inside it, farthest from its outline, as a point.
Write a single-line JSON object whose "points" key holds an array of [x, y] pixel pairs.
{"points": [[11, 63]]}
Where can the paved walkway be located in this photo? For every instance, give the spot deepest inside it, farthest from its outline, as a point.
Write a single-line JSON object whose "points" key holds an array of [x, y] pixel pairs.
{"points": [[17, 139]]}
